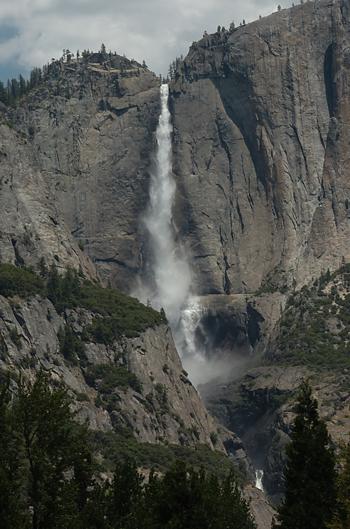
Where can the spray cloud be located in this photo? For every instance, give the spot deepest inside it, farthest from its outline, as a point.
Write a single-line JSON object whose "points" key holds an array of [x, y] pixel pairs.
{"points": [[170, 287]]}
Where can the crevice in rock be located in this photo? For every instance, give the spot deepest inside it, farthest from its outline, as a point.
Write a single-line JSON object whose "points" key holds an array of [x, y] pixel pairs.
{"points": [[113, 260], [301, 146], [225, 147], [253, 327], [240, 216], [19, 259], [329, 70]]}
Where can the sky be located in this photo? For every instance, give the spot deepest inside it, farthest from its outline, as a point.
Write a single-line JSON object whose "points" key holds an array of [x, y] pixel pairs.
{"points": [[34, 31]]}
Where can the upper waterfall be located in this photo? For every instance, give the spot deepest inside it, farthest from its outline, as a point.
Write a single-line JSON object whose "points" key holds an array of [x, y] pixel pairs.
{"points": [[170, 266], [169, 282]]}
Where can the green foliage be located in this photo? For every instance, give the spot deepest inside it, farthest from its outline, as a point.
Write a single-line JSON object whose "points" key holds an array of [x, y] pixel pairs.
{"points": [[119, 448], [106, 378], [162, 397], [116, 313], [13, 506], [122, 314], [15, 337], [310, 471], [341, 517], [214, 438], [183, 498], [45, 461], [17, 88], [47, 480], [188, 498], [19, 281], [71, 347], [63, 290], [315, 327], [102, 330]]}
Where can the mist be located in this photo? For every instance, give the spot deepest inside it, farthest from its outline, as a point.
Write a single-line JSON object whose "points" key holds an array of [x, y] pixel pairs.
{"points": [[169, 279]]}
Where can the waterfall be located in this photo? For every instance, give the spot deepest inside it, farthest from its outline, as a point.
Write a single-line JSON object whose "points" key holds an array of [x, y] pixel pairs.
{"points": [[170, 267], [172, 274], [168, 284], [259, 475]]}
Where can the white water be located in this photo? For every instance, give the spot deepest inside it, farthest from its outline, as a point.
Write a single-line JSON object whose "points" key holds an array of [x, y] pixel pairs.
{"points": [[259, 475], [171, 270], [171, 287]]}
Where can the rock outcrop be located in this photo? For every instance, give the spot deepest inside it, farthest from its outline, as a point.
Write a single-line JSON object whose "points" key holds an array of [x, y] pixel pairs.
{"points": [[261, 141], [162, 407], [75, 158], [310, 342], [259, 407], [86, 135], [260, 147]]}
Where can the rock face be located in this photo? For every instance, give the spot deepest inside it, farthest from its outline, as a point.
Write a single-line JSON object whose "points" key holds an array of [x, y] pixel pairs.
{"points": [[259, 407], [260, 508], [89, 131], [310, 342], [164, 406], [32, 226], [75, 155], [260, 143], [260, 150]]}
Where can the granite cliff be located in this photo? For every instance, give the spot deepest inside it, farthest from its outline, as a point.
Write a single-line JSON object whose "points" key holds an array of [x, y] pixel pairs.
{"points": [[261, 142], [89, 129], [75, 155], [260, 150]]}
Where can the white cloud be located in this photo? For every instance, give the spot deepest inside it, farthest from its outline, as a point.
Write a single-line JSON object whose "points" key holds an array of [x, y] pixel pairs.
{"points": [[154, 30]]}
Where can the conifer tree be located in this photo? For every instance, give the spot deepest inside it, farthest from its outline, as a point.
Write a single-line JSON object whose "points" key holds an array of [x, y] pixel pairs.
{"points": [[126, 494], [14, 512], [310, 470], [341, 518], [3, 93], [55, 447]]}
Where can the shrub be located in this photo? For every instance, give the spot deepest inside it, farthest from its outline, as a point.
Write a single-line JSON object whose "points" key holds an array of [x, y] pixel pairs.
{"points": [[116, 448], [106, 378], [102, 330], [304, 337], [123, 315], [71, 347], [19, 281]]}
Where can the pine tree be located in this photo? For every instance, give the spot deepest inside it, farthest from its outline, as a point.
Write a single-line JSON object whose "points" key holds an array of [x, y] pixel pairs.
{"points": [[341, 518], [14, 512], [310, 470], [233, 509], [56, 449], [126, 494], [22, 85], [188, 498], [3, 93]]}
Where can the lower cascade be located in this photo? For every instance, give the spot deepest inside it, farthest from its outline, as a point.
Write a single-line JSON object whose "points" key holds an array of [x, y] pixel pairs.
{"points": [[259, 476], [170, 285]]}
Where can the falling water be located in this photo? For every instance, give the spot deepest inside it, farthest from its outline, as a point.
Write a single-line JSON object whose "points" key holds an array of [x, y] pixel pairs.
{"points": [[170, 267], [169, 286], [259, 475]]}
